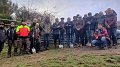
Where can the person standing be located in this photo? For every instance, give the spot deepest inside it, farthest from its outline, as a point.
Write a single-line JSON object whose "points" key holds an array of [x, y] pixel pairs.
{"points": [[23, 32], [69, 27], [101, 18], [62, 31], [111, 25], [84, 30], [47, 31], [56, 32], [12, 39], [2, 35], [74, 22], [90, 27], [35, 37], [79, 32]]}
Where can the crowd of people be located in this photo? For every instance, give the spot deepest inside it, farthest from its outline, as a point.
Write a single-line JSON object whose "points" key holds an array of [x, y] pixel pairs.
{"points": [[97, 30]]}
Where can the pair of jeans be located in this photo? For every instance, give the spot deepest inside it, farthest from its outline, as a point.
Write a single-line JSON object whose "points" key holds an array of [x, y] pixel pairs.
{"points": [[89, 34], [100, 42], [46, 40], [62, 39], [113, 35], [56, 37], [70, 39]]}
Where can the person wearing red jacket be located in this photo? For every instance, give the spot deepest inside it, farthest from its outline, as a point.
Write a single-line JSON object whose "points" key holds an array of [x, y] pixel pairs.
{"points": [[101, 38], [23, 33]]}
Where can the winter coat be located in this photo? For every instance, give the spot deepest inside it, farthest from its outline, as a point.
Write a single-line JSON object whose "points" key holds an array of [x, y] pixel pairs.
{"points": [[11, 34], [100, 33], [111, 20], [56, 28], [23, 31], [2, 35], [69, 27], [91, 23]]}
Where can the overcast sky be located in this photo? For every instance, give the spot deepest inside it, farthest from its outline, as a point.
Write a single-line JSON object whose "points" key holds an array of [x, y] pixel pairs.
{"points": [[69, 8]]}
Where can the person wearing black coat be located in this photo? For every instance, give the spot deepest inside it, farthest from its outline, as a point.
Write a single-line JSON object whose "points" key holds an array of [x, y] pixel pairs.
{"points": [[2, 35], [12, 38]]}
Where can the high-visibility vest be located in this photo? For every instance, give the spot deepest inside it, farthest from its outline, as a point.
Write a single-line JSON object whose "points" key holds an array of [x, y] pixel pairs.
{"points": [[23, 31]]}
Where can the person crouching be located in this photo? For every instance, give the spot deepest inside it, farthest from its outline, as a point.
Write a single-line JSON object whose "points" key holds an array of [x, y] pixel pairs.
{"points": [[101, 38]]}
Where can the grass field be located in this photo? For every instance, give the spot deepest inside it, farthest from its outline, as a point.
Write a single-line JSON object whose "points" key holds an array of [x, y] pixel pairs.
{"points": [[68, 57]]}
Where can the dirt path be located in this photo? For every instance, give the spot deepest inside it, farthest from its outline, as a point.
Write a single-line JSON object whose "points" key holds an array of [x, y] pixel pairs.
{"points": [[34, 58]]}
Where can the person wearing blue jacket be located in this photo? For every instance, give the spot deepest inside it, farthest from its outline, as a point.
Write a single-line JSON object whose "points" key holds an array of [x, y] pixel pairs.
{"points": [[90, 27], [56, 32], [69, 27]]}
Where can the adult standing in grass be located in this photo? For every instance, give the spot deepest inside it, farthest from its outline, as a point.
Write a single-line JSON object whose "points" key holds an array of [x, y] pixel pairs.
{"points": [[90, 27], [74, 22], [69, 27], [2, 35], [12, 38], [56, 32], [84, 30], [35, 37], [111, 25], [47, 31], [62, 31], [23, 32], [79, 31]]}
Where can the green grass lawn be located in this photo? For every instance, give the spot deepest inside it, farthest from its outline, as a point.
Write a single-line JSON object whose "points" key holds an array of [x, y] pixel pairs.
{"points": [[77, 61], [83, 61], [61, 58]]}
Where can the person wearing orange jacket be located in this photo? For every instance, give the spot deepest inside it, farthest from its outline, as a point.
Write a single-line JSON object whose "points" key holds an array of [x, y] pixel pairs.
{"points": [[23, 33]]}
